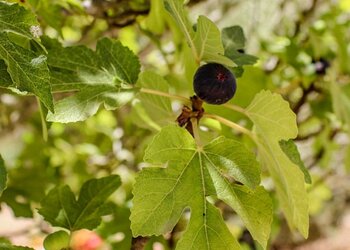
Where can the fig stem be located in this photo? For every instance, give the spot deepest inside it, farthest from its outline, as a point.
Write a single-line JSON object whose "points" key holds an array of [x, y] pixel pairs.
{"points": [[194, 121], [43, 120], [235, 108], [160, 93], [232, 125]]}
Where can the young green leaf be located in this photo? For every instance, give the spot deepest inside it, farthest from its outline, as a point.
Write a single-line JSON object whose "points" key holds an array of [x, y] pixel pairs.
{"points": [[275, 121], [28, 71], [61, 209], [100, 77], [291, 150], [206, 41], [3, 175], [193, 174]]}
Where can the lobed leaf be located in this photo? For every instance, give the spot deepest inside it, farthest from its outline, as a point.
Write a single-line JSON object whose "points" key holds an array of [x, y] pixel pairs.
{"points": [[191, 175], [99, 77], [275, 121], [61, 209]]}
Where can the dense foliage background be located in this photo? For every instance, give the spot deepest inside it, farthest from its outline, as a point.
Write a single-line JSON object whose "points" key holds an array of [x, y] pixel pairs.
{"points": [[104, 119]]}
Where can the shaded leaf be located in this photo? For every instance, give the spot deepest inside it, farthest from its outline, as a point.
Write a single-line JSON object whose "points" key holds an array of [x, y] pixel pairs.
{"points": [[60, 207], [158, 108], [233, 40], [3, 175], [19, 208], [5, 78], [5, 246], [28, 71], [291, 150], [17, 19], [50, 12]]}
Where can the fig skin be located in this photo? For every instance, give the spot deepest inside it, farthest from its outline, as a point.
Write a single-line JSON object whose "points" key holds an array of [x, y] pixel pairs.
{"points": [[214, 83]]}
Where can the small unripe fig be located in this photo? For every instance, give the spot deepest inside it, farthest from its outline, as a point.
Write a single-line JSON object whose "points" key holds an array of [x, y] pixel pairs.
{"points": [[214, 84]]}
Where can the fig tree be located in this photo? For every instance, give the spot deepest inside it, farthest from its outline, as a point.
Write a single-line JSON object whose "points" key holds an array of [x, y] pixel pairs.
{"points": [[214, 83]]}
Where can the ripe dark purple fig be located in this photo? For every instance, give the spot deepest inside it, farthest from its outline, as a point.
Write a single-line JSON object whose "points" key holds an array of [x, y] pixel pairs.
{"points": [[214, 84], [321, 66]]}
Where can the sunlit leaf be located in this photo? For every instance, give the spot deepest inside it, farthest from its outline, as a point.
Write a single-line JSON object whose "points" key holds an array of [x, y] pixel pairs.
{"points": [[275, 121], [208, 42], [100, 77], [192, 174]]}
